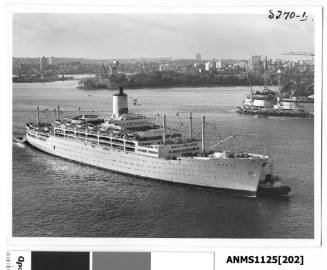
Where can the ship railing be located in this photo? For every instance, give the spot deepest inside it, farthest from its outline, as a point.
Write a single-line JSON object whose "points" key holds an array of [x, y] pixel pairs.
{"points": [[238, 155], [101, 135], [38, 134], [96, 140], [147, 151]]}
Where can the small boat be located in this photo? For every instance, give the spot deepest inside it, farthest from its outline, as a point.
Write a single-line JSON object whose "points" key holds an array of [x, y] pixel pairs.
{"points": [[20, 140], [273, 186], [261, 116]]}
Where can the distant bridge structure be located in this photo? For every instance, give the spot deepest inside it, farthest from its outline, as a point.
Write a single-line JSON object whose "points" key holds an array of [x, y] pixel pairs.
{"points": [[300, 53]]}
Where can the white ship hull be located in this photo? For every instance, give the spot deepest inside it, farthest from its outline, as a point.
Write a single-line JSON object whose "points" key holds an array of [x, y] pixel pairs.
{"points": [[237, 175]]}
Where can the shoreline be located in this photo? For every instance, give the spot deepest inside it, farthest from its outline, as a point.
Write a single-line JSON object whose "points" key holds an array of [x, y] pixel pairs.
{"points": [[145, 87], [171, 87]]}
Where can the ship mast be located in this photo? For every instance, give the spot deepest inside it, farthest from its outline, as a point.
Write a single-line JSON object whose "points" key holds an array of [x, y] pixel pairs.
{"points": [[280, 85], [164, 130], [38, 115], [190, 126], [203, 134], [265, 79], [279, 79], [58, 113], [250, 87]]}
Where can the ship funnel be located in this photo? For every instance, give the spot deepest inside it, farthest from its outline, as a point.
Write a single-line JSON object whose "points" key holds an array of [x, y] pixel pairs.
{"points": [[119, 103], [121, 90]]}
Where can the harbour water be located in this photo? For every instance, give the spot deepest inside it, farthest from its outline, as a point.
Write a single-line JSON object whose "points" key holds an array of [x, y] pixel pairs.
{"points": [[59, 198]]}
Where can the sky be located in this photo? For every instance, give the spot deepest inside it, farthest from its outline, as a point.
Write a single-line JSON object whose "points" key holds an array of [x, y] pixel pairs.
{"points": [[110, 36]]}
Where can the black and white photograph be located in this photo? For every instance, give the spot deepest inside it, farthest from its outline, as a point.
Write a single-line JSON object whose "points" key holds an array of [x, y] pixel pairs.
{"points": [[197, 125]]}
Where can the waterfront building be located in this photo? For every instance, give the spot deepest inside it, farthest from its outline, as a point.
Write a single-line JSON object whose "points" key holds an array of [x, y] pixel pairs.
{"points": [[240, 65], [198, 57], [208, 66], [218, 64]]}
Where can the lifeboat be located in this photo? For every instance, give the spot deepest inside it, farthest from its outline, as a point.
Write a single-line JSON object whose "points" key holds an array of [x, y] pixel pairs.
{"points": [[20, 140]]}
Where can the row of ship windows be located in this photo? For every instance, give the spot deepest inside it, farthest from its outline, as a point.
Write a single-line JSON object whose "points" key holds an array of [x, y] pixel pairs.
{"points": [[95, 139], [124, 156], [147, 151], [119, 165], [37, 137], [104, 140], [142, 166], [119, 147], [128, 147], [184, 150]]}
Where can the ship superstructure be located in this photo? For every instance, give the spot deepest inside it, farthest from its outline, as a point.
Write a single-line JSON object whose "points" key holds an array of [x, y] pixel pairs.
{"points": [[262, 104], [277, 103], [294, 103], [261, 99], [133, 144]]}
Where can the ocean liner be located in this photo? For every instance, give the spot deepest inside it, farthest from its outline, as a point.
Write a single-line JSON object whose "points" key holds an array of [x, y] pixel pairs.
{"points": [[132, 144]]}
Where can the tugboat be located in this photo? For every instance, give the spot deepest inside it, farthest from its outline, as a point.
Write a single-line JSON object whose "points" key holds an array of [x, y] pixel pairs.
{"points": [[273, 186]]}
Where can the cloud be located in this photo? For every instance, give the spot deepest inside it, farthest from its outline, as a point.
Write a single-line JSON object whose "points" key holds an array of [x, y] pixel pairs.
{"points": [[155, 35]]}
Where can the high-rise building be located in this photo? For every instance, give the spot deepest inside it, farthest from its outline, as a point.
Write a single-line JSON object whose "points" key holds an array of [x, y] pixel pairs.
{"points": [[51, 61], [198, 57], [255, 62], [267, 63], [44, 64], [113, 68]]}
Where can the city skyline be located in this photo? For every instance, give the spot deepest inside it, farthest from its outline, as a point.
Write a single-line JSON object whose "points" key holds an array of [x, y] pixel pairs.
{"points": [[110, 36]]}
